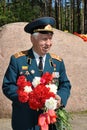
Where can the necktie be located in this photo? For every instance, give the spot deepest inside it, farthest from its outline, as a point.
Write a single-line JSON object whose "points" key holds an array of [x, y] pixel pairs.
{"points": [[40, 64]]}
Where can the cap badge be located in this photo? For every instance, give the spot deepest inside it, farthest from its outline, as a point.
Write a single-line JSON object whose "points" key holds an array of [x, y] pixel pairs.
{"points": [[46, 28]]}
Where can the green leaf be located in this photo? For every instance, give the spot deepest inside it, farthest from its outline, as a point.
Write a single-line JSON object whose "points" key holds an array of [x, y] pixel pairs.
{"points": [[63, 120]]}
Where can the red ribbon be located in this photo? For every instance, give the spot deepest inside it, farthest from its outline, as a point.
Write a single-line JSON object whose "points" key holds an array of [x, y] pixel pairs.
{"points": [[47, 118]]}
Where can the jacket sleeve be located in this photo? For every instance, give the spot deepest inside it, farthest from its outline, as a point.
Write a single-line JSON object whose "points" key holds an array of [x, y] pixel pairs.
{"points": [[9, 86], [64, 85]]}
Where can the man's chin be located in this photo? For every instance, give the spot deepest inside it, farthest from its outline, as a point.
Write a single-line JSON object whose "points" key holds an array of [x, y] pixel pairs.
{"points": [[45, 51]]}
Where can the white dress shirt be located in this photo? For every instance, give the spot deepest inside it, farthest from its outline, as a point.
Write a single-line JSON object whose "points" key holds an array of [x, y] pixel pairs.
{"points": [[37, 58]]}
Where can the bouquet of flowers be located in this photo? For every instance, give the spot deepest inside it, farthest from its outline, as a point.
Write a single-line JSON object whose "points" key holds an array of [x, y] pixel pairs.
{"points": [[41, 94]]}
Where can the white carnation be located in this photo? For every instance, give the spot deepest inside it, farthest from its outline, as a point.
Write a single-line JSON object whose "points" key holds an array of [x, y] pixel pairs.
{"points": [[27, 89], [53, 88], [51, 103], [36, 81]]}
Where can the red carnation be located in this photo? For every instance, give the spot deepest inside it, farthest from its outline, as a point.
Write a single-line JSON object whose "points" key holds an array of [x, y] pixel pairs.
{"points": [[22, 96], [38, 96], [22, 82], [46, 78]]}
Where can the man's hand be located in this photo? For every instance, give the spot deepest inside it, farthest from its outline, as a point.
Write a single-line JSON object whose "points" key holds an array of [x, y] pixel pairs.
{"points": [[58, 98]]}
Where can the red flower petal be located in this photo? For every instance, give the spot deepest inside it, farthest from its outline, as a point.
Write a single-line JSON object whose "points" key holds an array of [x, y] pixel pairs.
{"points": [[45, 127], [52, 115], [46, 78], [42, 121], [22, 96]]}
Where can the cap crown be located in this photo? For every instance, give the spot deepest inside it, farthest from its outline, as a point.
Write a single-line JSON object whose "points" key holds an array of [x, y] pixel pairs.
{"points": [[40, 25]]}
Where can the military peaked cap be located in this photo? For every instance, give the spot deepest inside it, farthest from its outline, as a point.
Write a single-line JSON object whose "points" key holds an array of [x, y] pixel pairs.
{"points": [[42, 25]]}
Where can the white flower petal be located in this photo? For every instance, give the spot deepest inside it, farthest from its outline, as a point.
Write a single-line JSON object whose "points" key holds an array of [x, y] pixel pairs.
{"points": [[36, 81], [51, 103], [53, 88], [27, 89]]}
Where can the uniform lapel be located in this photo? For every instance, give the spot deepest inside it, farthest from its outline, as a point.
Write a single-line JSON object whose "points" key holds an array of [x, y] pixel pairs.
{"points": [[48, 66], [33, 68]]}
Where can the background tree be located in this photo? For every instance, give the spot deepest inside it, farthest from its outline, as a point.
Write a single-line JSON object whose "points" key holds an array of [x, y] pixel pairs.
{"points": [[56, 14], [79, 16], [85, 16], [70, 15]]}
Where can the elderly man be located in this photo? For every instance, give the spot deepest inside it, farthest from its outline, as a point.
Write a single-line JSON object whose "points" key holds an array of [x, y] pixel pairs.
{"points": [[34, 63]]}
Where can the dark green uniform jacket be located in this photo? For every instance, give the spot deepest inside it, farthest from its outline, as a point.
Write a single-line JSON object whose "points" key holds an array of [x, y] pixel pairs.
{"points": [[23, 118]]}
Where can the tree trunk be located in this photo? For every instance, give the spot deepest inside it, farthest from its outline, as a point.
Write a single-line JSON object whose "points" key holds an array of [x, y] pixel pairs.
{"points": [[82, 20], [50, 7], [78, 16], [85, 16], [56, 14]]}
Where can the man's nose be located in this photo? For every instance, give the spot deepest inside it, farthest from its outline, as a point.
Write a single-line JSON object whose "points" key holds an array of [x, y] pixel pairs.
{"points": [[48, 41]]}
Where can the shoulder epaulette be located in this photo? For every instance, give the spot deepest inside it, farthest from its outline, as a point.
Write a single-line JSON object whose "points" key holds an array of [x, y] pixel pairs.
{"points": [[54, 56], [21, 53]]}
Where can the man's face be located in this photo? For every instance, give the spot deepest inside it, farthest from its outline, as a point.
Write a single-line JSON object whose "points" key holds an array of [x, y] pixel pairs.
{"points": [[42, 43]]}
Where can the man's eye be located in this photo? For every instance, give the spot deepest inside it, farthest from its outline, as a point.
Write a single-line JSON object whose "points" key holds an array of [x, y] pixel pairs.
{"points": [[45, 39]]}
